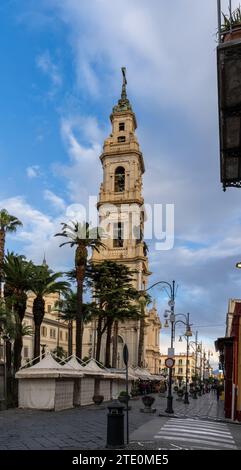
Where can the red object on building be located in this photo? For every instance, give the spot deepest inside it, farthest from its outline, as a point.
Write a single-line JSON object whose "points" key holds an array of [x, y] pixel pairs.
{"points": [[229, 354], [235, 332]]}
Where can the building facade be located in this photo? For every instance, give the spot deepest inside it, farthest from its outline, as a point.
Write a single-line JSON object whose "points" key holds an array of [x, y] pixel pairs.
{"points": [[229, 348], [122, 214], [54, 332], [182, 366]]}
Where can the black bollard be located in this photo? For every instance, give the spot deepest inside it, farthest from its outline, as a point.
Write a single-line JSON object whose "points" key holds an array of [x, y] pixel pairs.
{"points": [[115, 426]]}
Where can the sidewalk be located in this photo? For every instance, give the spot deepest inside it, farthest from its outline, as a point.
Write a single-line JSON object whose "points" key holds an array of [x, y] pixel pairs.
{"points": [[204, 407]]}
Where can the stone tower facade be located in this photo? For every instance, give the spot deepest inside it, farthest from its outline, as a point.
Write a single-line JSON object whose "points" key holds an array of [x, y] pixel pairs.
{"points": [[122, 214]]}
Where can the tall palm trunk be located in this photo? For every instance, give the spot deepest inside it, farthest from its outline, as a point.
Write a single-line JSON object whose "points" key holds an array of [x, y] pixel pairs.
{"points": [[141, 337], [38, 315], [108, 345], [115, 344], [9, 383], [99, 338], [8, 356], [20, 308], [70, 338], [2, 247], [80, 264]]}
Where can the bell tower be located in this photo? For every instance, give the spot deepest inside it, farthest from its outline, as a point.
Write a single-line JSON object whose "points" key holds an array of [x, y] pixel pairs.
{"points": [[120, 206]]}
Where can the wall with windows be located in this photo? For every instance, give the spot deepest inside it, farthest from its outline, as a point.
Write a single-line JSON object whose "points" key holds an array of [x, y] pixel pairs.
{"points": [[54, 332]]}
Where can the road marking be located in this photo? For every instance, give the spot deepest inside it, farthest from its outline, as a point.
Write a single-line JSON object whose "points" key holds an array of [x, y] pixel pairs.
{"points": [[197, 434], [190, 433], [197, 421], [201, 431], [183, 439]]}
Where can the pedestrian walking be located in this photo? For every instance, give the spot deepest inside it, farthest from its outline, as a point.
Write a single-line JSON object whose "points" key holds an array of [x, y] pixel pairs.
{"points": [[218, 392]]}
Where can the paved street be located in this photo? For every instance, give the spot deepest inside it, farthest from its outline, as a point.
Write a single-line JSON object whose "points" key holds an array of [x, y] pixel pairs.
{"points": [[198, 425]]}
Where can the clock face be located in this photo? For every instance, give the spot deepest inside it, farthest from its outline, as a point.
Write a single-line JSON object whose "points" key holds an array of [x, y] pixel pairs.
{"points": [[169, 362]]}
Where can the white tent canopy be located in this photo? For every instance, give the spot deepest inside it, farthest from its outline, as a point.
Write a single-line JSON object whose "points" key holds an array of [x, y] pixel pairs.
{"points": [[92, 368], [73, 363], [47, 367], [48, 362]]}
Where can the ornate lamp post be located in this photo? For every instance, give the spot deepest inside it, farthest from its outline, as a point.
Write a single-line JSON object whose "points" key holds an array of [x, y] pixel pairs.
{"points": [[187, 335], [208, 363], [171, 288], [203, 370], [197, 348]]}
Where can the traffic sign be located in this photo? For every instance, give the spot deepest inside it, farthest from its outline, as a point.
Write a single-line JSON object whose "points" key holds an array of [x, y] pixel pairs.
{"points": [[169, 362]]}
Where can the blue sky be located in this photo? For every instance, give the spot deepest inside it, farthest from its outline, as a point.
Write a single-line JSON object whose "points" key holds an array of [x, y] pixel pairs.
{"points": [[60, 77]]}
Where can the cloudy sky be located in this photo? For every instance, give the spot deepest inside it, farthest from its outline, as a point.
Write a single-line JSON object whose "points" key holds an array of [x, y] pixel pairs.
{"points": [[60, 77]]}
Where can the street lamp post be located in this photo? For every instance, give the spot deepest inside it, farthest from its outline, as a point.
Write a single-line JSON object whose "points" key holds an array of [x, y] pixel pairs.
{"points": [[209, 366], [169, 408], [186, 401], [200, 374], [204, 367], [197, 350], [187, 334]]}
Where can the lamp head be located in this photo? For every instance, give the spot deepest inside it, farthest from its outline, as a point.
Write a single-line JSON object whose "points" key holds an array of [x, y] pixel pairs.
{"points": [[238, 265], [166, 324], [188, 331], [166, 313]]}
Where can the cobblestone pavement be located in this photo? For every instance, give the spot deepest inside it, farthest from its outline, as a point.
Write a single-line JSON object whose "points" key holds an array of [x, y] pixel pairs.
{"points": [[206, 407], [85, 428]]}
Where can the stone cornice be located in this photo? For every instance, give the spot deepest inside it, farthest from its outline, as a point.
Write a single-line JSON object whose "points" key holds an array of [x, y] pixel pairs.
{"points": [[117, 152]]}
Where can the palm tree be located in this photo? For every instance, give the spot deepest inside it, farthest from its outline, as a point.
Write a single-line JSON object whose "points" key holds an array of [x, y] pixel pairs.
{"points": [[8, 331], [8, 223], [116, 302], [83, 237], [44, 282], [67, 311], [18, 278], [67, 308]]}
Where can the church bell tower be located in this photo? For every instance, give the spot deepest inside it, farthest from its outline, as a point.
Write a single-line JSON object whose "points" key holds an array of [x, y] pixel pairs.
{"points": [[120, 205]]}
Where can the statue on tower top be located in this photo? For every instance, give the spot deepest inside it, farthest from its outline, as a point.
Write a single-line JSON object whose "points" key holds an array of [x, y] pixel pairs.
{"points": [[124, 75], [123, 102], [123, 93]]}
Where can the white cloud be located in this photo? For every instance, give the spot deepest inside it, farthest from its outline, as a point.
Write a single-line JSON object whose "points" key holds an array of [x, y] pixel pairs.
{"points": [[37, 234], [33, 171], [89, 128], [82, 138], [56, 201], [46, 64]]}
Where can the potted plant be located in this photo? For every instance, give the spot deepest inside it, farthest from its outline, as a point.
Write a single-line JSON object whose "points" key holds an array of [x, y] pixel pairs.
{"points": [[231, 28], [124, 397], [98, 399], [180, 393], [148, 401]]}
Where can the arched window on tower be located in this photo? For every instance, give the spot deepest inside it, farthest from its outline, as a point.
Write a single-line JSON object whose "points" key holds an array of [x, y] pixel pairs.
{"points": [[119, 179]]}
